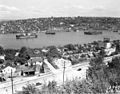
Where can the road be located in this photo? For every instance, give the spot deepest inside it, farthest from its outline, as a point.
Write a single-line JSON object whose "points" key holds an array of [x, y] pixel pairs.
{"points": [[6, 88], [70, 73]]}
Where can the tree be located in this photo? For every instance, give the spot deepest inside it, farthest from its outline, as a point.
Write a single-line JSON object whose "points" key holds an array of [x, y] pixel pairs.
{"points": [[104, 76], [53, 52], [97, 76], [116, 42], [1, 61], [10, 54], [29, 89], [114, 73], [51, 88], [20, 60], [1, 50], [9, 57], [77, 87], [70, 47], [22, 50], [102, 53], [24, 53]]}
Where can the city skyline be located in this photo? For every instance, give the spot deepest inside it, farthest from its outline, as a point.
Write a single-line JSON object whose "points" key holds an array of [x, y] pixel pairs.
{"points": [[21, 9]]}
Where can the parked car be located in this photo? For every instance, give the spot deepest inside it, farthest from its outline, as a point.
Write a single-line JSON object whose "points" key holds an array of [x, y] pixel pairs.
{"points": [[79, 69]]}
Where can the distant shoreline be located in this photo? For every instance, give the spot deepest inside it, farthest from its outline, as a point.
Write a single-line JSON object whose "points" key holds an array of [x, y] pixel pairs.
{"points": [[64, 23], [58, 17]]}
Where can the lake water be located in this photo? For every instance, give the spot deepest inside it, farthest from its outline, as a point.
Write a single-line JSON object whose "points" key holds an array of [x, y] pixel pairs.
{"points": [[59, 39]]}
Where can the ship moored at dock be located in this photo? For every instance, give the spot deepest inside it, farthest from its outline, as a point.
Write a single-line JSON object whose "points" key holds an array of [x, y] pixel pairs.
{"points": [[26, 35], [92, 32], [52, 33]]}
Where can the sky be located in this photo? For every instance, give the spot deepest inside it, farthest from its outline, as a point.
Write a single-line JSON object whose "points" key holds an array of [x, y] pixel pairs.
{"points": [[22, 9]]}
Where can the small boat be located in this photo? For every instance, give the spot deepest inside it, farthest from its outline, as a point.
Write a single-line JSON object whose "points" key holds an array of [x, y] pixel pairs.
{"points": [[26, 35], [92, 32]]}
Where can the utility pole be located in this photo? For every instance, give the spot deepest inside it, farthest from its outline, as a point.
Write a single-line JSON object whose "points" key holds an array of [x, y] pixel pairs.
{"points": [[12, 81], [63, 73]]}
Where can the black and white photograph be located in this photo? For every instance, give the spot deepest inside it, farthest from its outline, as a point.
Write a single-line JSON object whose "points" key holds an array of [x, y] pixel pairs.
{"points": [[59, 46]]}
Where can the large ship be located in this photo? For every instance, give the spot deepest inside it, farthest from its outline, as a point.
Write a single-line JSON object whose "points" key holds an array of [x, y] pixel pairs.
{"points": [[26, 35], [93, 32], [115, 30], [50, 31]]}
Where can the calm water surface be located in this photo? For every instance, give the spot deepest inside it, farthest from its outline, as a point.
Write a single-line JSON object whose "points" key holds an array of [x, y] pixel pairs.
{"points": [[59, 39]]}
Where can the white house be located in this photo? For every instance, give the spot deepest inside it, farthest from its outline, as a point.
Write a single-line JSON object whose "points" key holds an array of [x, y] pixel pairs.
{"points": [[62, 62], [2, 57], [38, 66], [17, 53], [8, 69], [110, 51], [44, 50], [108, 45]]}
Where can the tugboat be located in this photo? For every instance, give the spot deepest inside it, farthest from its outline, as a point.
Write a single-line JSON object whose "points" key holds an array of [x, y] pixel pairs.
{"points": [[92, 32], [26, 35]]}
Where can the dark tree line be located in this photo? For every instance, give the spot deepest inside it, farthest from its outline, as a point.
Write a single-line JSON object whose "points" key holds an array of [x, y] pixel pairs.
{"points": [[104, 77]]}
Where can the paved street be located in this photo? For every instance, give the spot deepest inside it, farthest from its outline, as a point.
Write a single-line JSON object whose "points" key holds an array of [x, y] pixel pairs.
{"points": [[70, 73]]}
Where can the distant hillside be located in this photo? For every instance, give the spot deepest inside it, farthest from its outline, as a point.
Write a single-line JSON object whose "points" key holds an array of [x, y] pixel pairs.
{"points": [[4, 20], [74, 23]]}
